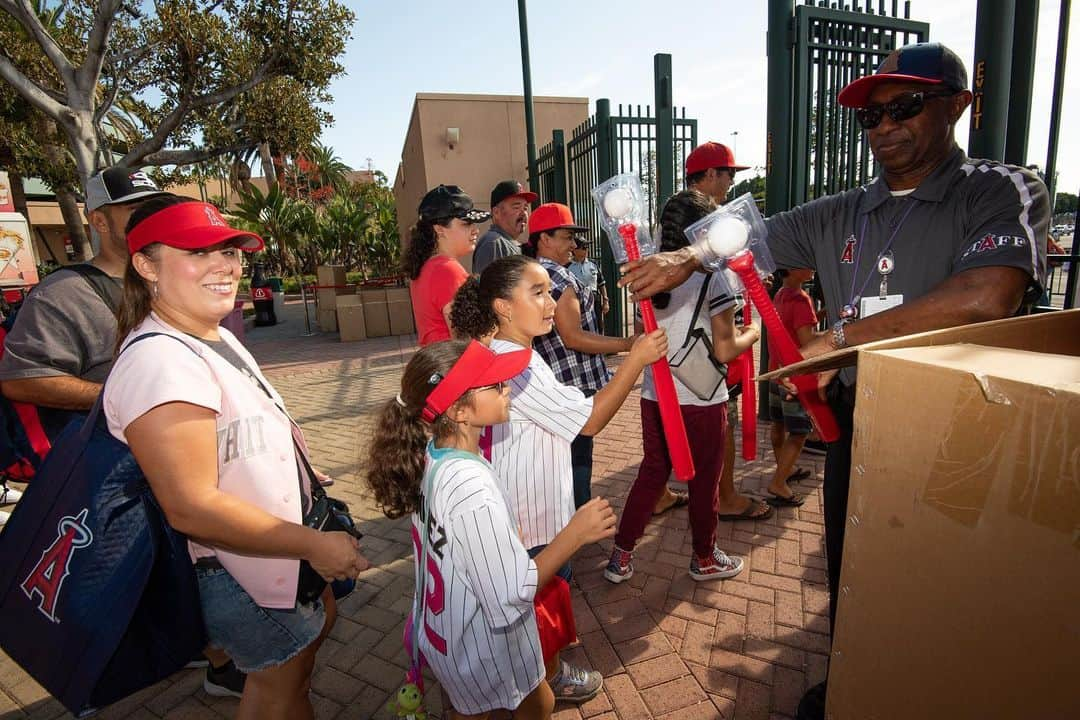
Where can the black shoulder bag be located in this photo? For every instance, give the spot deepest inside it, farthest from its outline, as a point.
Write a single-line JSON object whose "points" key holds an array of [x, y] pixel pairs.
{"points": [[694, 363]]}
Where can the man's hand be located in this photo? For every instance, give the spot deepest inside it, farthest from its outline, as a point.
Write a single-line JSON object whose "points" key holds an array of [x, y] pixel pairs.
{"points": [[818, 346], [657, 273]]}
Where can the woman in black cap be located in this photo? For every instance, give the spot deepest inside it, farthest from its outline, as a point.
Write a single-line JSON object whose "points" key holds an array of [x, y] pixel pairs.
{"points": [[445, 231]]}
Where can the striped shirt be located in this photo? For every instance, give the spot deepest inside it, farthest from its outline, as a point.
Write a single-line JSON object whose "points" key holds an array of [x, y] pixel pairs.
{"points": [[479, 630], [582, 370], [531, 452]]}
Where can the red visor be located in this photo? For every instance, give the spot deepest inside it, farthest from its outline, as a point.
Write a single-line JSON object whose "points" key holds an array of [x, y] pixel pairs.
{"points": [[188, 226], [478, 366]]}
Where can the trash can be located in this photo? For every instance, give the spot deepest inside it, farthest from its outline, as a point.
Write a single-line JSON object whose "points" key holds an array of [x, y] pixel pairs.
{"points": [[263, 297], [277, 289], [234, 321]]}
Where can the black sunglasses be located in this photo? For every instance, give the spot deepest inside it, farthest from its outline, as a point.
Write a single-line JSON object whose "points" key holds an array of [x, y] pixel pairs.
{"points": [[902, 107]]}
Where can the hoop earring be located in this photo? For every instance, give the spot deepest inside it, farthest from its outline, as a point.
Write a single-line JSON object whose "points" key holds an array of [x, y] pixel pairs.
{"points": [[154, 290]]}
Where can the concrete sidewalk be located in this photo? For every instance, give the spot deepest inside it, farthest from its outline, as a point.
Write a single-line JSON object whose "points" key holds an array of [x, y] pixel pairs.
{"points": [[669, 647]]}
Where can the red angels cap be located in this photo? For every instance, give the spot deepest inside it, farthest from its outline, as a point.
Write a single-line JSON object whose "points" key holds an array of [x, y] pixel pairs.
{"points": [[188, 226], [553, 216], [477, 367], [711, 155], [928, 63]]}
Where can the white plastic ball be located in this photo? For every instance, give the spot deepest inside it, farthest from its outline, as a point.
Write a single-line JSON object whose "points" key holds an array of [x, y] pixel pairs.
{"points": [[727, 237], [618, 203]]}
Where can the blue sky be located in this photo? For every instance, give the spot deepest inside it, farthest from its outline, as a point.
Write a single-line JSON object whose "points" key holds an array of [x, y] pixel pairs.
{"points": [[605, 49]]}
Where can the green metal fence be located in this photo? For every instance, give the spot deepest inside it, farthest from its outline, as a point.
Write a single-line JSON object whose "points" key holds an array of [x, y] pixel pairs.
{"points": [[606, 145]]}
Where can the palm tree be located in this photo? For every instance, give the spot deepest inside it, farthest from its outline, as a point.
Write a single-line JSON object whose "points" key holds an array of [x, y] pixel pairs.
{"points": [[325, 168]]}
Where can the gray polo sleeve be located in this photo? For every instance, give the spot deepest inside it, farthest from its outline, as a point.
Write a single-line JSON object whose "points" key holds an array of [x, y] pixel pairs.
{"points": [[1007, 221], [792, 234], [54, 330], [491, 247]]}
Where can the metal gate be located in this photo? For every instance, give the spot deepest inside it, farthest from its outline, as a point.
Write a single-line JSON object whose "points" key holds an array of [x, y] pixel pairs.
{"points": [[606, 145], [815, 147]]}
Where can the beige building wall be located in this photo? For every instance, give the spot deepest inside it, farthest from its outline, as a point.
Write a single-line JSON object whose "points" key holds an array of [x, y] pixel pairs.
{"points": [[491, 144]]}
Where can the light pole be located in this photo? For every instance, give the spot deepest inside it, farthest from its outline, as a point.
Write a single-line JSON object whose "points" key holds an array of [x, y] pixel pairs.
{"points": [[735, 143]]}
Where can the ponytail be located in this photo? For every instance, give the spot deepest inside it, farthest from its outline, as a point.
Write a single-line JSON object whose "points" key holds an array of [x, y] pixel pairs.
{"points": [[422, 244], [395, 458], [473, 312], [136, 303], [469, 315]]}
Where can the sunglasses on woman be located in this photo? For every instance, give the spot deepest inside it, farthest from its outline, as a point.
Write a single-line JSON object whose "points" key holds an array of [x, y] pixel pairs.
{"points": [[902, 107]]}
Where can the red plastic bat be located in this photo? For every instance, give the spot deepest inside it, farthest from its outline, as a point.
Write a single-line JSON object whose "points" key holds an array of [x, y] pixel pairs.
{"points": [[816, 408], [670, 414]]}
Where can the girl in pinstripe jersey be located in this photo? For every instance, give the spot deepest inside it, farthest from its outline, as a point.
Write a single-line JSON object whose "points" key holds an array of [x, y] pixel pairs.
{"points": [[531, 453], [476, 625]]}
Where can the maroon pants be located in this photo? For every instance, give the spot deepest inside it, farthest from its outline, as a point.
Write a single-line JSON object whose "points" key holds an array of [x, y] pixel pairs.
{"points": [[706, 428]]}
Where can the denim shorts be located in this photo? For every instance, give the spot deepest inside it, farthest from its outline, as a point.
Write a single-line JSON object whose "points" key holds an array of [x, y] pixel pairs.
{"points": [[790, 412], [254, 637]]}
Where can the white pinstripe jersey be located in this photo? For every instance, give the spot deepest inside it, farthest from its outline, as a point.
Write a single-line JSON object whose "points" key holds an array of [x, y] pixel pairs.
{"points": [[531, 452], [479, 628]]}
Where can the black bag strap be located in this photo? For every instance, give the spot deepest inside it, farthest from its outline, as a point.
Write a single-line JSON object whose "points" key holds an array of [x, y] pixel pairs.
{"points": [[697, 308], [96, 412], [317, 492], [103, 284]]}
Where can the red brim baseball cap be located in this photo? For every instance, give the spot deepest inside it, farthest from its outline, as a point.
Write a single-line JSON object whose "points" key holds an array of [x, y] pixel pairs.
{"points": [[553, 216], [189, 226], [477, 367], [923, 63]]}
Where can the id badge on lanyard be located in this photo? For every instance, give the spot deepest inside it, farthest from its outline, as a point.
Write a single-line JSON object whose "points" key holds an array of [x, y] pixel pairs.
{"points": [[884, 301]]}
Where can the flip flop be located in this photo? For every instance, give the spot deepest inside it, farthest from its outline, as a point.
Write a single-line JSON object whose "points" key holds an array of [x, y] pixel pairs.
{"points": [[681, 500], [795, 500], [748, 513], [799, 474]]}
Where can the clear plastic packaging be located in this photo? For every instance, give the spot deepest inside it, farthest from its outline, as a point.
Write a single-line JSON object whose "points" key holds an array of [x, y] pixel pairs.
{"points": [[730, 231], [621, 203]]}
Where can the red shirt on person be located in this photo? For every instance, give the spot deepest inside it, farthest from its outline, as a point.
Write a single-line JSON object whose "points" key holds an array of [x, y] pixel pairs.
{"points": [[431, 291], [796, 310]]}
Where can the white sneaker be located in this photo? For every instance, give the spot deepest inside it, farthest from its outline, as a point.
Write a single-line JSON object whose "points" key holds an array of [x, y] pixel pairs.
{"points": [[9, 495]]}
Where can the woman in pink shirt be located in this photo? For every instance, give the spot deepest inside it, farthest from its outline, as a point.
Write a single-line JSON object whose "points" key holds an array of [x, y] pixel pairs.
{"points": [[445, 231], [222, 456]]}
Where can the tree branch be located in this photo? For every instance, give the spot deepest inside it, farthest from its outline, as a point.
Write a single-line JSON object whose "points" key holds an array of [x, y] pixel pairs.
{"points": [[88, 73], [36, 95], [172, 121], [190, 157], [23, 12]]}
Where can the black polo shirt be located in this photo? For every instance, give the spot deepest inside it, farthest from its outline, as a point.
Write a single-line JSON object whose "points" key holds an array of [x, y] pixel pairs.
{"points": [[966, 214]]}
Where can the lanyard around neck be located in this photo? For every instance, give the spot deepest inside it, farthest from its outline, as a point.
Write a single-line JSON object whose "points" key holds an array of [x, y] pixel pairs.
{"points": [[856, 293]]}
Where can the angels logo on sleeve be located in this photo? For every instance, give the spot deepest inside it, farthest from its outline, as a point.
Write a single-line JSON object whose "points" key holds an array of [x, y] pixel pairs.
{"points": [[48, 575], [847, 257]]}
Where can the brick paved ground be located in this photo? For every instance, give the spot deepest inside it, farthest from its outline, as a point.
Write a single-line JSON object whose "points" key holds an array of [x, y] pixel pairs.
{"points": [[668, 647]]}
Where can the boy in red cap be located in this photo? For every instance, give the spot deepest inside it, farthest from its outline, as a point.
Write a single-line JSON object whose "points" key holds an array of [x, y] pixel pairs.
{"points": [[575, 349]]}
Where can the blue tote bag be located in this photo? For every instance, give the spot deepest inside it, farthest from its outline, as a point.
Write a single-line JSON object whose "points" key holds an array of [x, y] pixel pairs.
{"points": [[97, 591]]}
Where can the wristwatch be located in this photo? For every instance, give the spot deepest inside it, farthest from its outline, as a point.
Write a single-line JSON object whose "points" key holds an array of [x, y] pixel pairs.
{"points": [[837, 339]]}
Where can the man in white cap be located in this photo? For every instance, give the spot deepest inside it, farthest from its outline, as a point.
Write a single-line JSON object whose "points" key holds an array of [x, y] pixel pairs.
{"points": [[60, 349]]}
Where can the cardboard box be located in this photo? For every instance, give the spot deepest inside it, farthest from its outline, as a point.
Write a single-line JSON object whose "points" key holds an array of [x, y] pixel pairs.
{"points": [[376, 319], [399, 308], [330, 275], [327, 320], [350, 318], [961, 574]]}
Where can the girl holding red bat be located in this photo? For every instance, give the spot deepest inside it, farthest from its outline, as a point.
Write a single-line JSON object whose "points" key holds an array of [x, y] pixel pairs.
{"points": [[706, 420], [531, 453]]}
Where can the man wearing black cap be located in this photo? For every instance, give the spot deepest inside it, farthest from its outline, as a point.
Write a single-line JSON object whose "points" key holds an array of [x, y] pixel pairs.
{"points": [[509, 215], [61, 346], [937, 240]]}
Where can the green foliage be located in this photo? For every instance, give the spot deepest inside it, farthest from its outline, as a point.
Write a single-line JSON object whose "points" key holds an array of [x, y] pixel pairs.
{"points": [[1065, 203], [354, 226], [755, 185]]}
